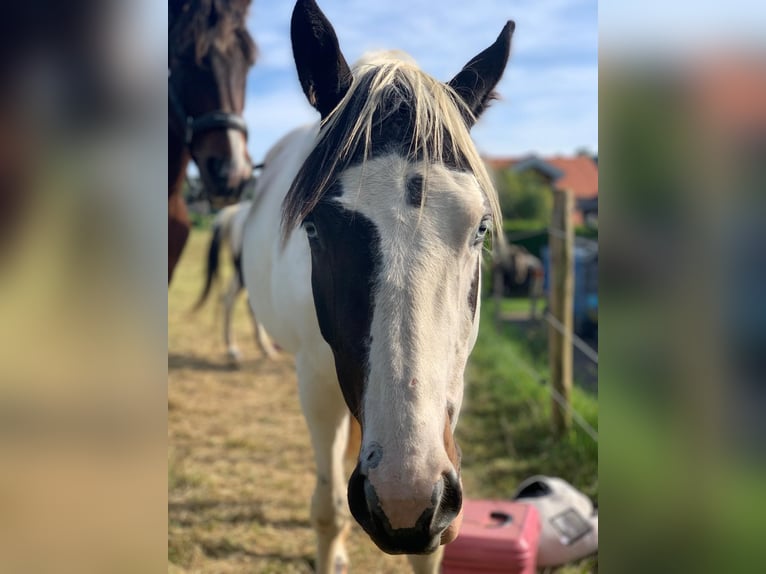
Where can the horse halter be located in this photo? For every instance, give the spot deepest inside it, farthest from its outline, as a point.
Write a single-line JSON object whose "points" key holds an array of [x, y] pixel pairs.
{"points": [[215, 120]]}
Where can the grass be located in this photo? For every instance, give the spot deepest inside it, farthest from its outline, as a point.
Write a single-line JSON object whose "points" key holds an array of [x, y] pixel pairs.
{"points": [[240, 467], [518, 306], [531, 337], [506, 420], [200, 220], [178, 477]]}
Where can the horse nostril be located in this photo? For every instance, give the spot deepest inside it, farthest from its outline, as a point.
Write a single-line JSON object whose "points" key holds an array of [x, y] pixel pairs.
{"points": [[422, 536], [450, 501], [370, 457], [453, 493]]}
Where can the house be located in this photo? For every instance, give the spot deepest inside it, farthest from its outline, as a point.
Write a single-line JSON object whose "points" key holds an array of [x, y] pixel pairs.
{"points": [[578, 173]]}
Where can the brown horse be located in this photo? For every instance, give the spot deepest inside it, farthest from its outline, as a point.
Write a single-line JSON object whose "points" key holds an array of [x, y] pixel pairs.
{"points": [[209, 54]]}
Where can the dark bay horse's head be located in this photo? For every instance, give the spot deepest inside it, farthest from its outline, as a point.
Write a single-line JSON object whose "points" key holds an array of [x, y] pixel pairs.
{"points": [[209, 54], [395, 203]]}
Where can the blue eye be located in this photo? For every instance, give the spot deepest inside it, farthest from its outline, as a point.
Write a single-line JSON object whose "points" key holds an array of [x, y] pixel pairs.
{"points": [[483, 229], [311, 229]]}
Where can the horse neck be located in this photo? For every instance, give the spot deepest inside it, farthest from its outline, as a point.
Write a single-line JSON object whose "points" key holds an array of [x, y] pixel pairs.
{"points": [[178, 161]]}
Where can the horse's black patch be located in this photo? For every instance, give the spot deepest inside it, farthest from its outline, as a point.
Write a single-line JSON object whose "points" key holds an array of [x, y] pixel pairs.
{"points": [[345, 259], [237, 261], [393, 132], [415, 190]]}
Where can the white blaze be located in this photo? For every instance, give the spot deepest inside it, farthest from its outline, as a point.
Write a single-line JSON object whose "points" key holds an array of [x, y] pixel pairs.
{"points": [[422, 326]]}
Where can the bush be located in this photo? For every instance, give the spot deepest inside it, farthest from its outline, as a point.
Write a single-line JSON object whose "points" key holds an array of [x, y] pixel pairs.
{"points": [[587, 231], [524, 195], [532, 235]]}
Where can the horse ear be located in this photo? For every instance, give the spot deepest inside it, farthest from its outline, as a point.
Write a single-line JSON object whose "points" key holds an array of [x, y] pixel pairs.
{"points": [[322, 69], [477, 80]]}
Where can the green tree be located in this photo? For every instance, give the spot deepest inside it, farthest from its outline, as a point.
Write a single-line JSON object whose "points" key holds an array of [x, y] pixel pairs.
{"points": [[524, 195]]}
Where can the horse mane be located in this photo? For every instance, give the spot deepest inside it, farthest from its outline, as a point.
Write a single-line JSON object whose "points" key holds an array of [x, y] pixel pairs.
{"points": [[384, 85], [196, 25]]}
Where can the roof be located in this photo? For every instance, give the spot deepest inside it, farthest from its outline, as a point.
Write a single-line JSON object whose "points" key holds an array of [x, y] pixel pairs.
{"points": [[729, 92], [578, 173], [500, 163], [540, 165]]}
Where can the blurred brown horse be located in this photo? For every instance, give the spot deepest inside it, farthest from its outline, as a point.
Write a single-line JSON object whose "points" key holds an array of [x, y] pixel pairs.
{"points": [[209, 54]]}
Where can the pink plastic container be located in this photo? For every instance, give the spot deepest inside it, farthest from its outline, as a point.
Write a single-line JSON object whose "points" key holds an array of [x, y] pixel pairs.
{"points": [[496, 536]]}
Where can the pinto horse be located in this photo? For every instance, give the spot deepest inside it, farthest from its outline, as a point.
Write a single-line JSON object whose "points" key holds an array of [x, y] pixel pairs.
{"points": [[227, 230], [209, 54], [371, 278]]}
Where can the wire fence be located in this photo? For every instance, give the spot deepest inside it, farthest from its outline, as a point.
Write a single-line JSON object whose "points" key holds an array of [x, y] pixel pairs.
{"points": [[577, 417], [570, 336], [578, 343], [518, 236]]}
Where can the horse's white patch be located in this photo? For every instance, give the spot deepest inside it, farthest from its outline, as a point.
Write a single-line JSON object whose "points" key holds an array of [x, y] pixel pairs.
{"points": [[423, 327], [241, 167]]}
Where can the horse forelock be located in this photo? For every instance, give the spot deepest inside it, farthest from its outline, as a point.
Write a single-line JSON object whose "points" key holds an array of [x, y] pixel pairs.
{"points": [[390, 102], [196, 25]]}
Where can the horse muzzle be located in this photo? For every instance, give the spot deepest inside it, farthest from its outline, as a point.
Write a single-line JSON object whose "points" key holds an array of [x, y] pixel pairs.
{"points": [[433, 526], [224, 183]]}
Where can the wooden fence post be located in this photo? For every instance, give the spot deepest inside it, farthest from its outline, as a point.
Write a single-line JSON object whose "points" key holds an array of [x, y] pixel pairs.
{"points": [[497, 284], [561, 292]]}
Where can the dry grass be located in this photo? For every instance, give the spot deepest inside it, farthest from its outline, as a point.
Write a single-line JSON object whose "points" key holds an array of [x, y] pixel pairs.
{"points": [[240, 466]]}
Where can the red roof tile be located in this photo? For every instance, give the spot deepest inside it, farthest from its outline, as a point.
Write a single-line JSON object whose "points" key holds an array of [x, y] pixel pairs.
{"points": [[580, 175], [498, 163], [580, 172]]}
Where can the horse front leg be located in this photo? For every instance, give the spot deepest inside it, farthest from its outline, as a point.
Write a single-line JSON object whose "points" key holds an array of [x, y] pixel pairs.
{"points": [[427, 563], [327, 419], [229, 299], [179, 226], [263, 339]]}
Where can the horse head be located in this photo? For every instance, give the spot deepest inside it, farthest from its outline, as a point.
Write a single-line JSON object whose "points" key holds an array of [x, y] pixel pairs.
{"points": [[210, 53]]}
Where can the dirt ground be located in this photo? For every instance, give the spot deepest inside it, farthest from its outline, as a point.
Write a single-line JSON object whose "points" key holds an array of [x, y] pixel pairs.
{"points": [[240, 466]]}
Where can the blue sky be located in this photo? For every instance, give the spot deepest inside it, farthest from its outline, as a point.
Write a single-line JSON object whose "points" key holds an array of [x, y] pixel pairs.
{"points": [[549, 91], [677, 29]]}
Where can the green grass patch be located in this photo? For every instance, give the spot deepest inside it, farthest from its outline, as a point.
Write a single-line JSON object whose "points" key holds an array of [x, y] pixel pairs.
{"points": [[505, 425], [506, 420], [518, 306], [201, 221]]}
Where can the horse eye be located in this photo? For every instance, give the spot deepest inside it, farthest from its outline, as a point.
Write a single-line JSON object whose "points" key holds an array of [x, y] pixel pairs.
{"points": [[311, 229], [481, 232]]}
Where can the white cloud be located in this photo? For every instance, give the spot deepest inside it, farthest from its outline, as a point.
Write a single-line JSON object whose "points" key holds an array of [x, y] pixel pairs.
{"points": [[549, 89]]}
